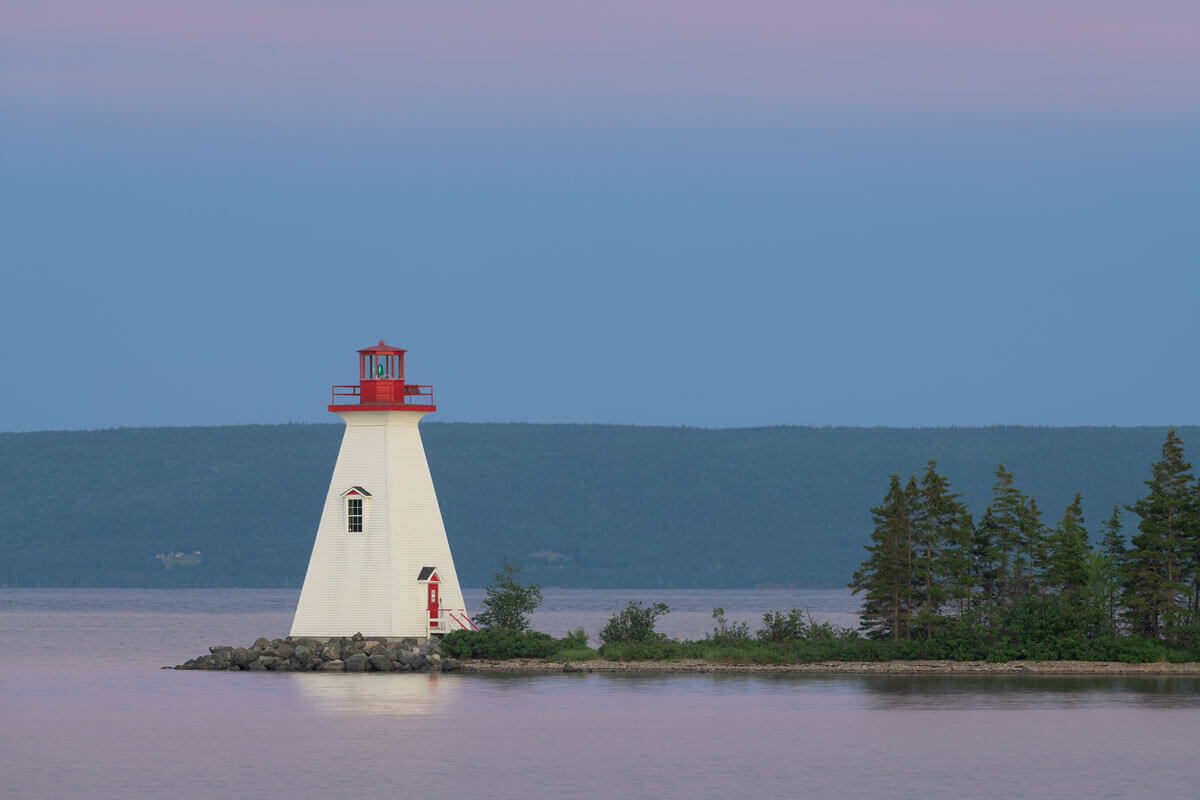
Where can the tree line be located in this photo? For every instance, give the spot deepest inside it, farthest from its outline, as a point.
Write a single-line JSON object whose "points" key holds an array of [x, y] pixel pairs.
{"points": [[933, 571]]}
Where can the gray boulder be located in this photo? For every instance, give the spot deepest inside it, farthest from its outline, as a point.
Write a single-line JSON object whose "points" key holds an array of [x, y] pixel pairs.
{"points": [[356, 663], [337, 665], [279, 649], [380, 662]]}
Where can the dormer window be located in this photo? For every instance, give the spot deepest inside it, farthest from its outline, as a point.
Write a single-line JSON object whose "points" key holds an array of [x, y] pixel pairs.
{"points": [[356, 501]]}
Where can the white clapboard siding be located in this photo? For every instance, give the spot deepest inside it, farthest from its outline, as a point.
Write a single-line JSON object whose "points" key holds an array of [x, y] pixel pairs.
{"points": [[367, 582]]}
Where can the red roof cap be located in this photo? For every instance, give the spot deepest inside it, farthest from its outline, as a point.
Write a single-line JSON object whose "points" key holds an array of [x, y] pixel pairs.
{"points": [[383, 347]]}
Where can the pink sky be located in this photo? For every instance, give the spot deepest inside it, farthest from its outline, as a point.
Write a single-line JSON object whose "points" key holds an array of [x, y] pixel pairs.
{"points": [[619, 57]]}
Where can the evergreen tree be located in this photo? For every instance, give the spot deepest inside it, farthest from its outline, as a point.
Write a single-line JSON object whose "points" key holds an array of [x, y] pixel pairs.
{"points": [[926, 593], [985, 558], [885, 577], [1113, 543], [1068, 562], [1112, 567], [1160, 560], [1034, 550], [1002, 540], [943, 528], [1192, 553], [911, 492]]}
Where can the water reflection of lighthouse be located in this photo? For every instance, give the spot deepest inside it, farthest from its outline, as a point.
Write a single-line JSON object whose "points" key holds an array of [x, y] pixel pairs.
{"points": [[381, 562], [396, 694]]}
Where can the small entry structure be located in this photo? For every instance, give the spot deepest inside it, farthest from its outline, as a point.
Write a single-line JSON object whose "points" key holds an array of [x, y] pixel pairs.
{"points": [[429, 578]]}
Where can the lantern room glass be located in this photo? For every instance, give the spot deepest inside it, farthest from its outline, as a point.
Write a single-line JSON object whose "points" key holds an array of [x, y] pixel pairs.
{"points": [[381, 367]]}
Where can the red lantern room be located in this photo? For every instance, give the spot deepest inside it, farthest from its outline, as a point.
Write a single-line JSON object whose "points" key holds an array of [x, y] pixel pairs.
{"points": [[381, 385]]}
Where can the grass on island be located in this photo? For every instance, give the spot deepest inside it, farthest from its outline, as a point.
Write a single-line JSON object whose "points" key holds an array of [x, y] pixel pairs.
{"points": [[1034, 631]]}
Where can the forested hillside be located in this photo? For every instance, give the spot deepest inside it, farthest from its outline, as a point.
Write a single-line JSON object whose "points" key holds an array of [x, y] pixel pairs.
{"points": [[574, 505]]}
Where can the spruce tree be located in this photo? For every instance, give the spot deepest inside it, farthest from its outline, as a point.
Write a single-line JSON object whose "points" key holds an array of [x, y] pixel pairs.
{"points": [[1192, 567], [1068, 571], [985, 558], [1113, 543], [943, 528], [1034, 550], [1112, 565], [1160, 560], [1002, 540], [911, 491], [926, 546], [885, 578]]}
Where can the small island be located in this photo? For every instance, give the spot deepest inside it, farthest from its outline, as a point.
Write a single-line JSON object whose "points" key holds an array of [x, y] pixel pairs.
{"points": [[942, 594]]}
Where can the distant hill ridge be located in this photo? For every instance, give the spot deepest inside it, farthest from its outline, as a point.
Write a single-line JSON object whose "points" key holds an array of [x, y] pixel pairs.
{"points": [[574, 505]]}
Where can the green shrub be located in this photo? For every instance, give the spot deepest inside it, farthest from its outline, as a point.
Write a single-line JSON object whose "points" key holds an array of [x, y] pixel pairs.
{"points": [[635, 623], [574, 654], [660, 649], [494, 643], [576, 638], [1140, 650], [778, 627], [727, 632], [573, 647], [507, 603]]}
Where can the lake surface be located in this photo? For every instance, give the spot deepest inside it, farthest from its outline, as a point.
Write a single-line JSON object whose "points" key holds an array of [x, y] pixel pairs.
{"points": [[86, 711]]}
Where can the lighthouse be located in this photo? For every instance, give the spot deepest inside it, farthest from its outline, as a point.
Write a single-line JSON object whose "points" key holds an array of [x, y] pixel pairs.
{"points": [[381, 562]]}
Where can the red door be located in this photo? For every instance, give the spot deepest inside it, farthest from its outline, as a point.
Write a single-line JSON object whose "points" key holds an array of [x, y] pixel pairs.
{"points": [[434, 606]]}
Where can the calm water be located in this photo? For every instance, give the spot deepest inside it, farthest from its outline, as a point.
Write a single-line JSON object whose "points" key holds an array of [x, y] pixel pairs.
{"points": [[85, 711]]}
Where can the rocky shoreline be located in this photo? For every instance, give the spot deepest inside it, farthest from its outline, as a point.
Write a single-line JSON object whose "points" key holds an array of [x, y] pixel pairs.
{"points": [[355, 653], [933, 668], [359, 653]]}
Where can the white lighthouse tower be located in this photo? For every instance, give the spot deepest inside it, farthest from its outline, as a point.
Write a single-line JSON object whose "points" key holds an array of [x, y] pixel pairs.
{"points": [[381, 563]]}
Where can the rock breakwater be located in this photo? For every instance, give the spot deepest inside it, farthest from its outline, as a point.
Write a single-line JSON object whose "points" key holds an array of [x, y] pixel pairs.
{"points": [[355, 653]]}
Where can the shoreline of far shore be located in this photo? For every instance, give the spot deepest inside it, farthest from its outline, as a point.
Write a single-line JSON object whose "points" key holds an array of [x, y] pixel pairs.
{"points": [[1157, 669]]}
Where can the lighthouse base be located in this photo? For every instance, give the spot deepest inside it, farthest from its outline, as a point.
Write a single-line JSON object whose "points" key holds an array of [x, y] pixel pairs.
{"points": [[357, 653]]}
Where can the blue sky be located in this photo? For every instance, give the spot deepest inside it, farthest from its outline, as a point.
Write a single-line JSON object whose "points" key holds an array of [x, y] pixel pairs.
{"points": [[674, 214]]}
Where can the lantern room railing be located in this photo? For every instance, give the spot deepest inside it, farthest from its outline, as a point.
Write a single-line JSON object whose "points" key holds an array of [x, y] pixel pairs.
{"points": [[414, 395]]}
